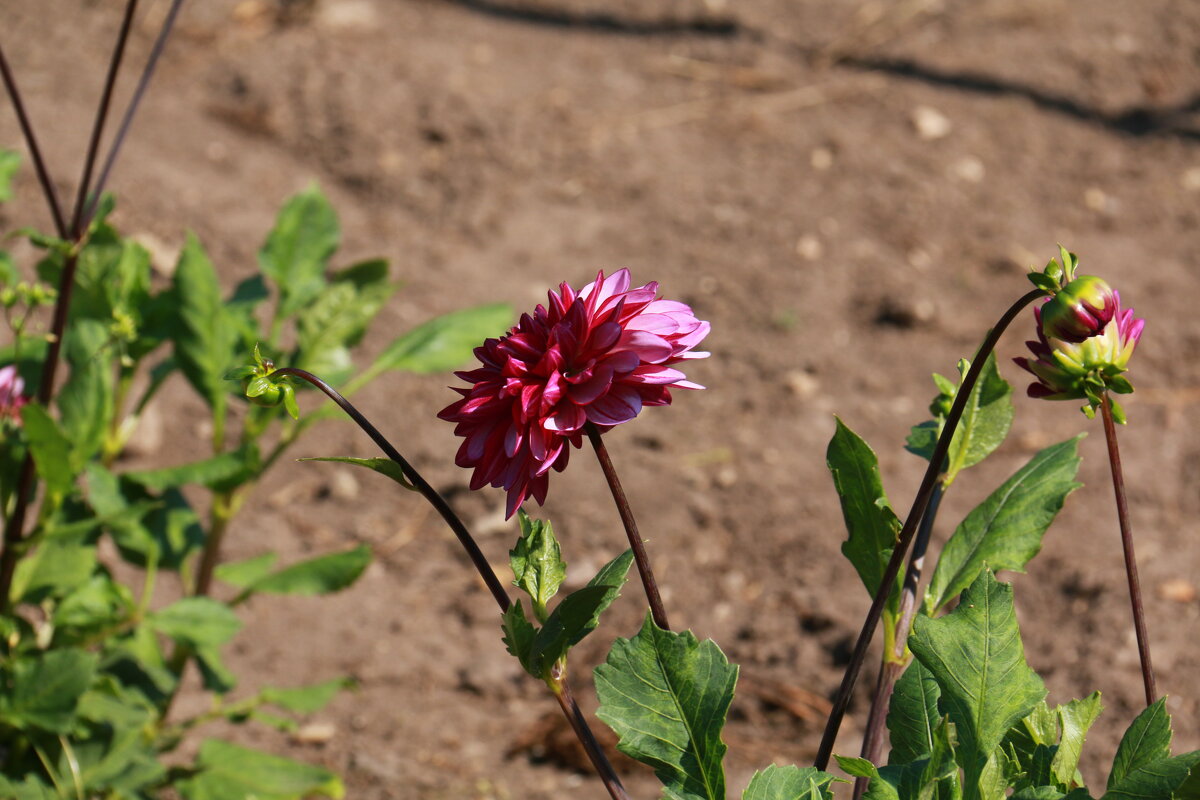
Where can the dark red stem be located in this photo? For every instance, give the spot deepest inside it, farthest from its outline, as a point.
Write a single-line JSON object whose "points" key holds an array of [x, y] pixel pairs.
{"points": [[920, 502], [110, 81], [1131, 573], [35, 152], [893, 663], [657, 610], [604, 768]]}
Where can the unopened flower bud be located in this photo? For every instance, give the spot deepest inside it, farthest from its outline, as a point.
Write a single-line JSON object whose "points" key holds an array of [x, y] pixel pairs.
{"points": [[1079, 310]]}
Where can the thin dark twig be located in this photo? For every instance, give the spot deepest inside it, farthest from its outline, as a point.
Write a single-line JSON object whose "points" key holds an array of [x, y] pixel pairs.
{"points": [[1131, 573], [920, 503], [35, 152], [657, 610], [562, 690], [143, 83], [89, 164], [604, 768], [414, 477], [893, 663]]}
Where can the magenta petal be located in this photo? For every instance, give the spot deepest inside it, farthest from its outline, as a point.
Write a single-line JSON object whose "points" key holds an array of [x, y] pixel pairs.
{"points": [[655, 374], [650, 348], [587, 391], [620, 405], [568, 418]]}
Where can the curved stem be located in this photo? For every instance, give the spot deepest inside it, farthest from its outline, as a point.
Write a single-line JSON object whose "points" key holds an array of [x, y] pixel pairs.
{"points": [[35, 152], [894, 663], [561, 690], [920, 503], [89, 163], [566, 701], [1131, 573], [657, 610], [428, 492], [143, 83]]}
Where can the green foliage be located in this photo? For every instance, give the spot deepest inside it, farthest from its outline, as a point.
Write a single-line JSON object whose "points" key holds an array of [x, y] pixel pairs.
{"points": [[537, 563], [539, 571], [1005, 531], [10, 161], [204, 335], [666, 695], [384, 466], [789, 783], [913, 715], [226, 771], [986, 419], [88, 675], [976, 657], [445, 342], [870, 521]]}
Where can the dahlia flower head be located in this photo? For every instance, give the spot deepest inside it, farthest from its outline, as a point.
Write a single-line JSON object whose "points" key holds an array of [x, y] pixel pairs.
{"points": [[12, 398], [595, 356], [1067, 370]]}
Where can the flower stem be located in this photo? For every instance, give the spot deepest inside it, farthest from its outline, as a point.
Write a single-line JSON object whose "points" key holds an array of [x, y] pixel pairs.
{"points": [[657, 610], [920, 503], [1131, 573], [561, 690], [894, 663], [89, 164], [35, 152], [566, 701]]}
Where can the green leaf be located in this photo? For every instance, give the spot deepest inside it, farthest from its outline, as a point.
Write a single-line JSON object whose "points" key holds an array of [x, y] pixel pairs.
{"points": [[870, 521], [56, 568], [85, 402], [204, 334], [336, 321], [51, 450], [46, 690], [306, 699], [29, 788], [940, 776], [519, 634], [913, 715], [320, 575], [976, 657], [985, 421], [305, 235], [230, 466], [1159, 779], [227, 771], [789, 783], [10, 160], [1147, 740], [666, 695], [1005, 531], [98, 603], [384, 466], [573, 619], [1075, 718], [446, 342], [536, 561], [245, 573], [216, 676], [197, 622]]}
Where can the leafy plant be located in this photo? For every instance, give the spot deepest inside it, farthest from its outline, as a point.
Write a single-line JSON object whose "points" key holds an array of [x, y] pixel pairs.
{"points": [[87, 683]]}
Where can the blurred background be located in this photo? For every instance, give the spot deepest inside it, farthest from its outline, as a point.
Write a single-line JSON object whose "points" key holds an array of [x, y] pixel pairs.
{"points": [[849, 190]]}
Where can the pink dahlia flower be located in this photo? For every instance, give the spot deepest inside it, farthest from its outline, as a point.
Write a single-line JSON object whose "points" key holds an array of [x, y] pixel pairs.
{"points": [[12, 398], [598, 355]]}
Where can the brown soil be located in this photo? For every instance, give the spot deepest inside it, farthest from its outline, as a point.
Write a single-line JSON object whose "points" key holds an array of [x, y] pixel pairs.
{"points": [[762, 160]]}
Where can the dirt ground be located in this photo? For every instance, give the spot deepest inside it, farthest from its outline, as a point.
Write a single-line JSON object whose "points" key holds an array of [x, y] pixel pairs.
{"points": [[849, 191]]}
